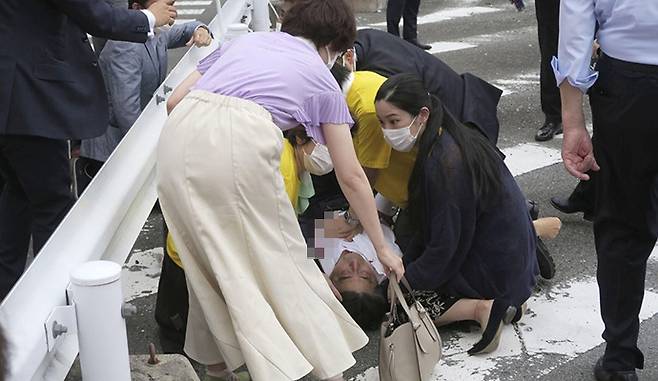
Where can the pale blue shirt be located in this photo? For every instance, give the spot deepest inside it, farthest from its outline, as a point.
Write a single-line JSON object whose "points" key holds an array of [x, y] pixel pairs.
{"points": [[628, 31]]}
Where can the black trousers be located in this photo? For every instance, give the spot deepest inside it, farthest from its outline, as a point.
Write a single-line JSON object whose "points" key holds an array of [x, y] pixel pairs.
{"points": [[408, 11], [35, 198], [623, 102], [548, 19]]}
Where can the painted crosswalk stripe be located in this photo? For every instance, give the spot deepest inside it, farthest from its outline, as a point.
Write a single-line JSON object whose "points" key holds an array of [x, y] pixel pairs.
{"points": [[194, 11], [524, 158], [447, 46], [449, 14]]}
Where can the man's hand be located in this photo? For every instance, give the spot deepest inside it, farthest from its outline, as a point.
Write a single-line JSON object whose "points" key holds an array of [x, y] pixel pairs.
{"points": [[164, 12], [577, 152], [391, 262], [339, 228], [333, 288], [200, 38]]}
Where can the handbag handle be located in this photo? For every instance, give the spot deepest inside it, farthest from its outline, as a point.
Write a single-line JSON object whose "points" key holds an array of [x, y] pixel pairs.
{"points": [[397, 295]]}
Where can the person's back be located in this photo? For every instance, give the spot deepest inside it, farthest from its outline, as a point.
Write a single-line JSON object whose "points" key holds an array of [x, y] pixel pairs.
{"points": [[468, 97], [276, 75]]}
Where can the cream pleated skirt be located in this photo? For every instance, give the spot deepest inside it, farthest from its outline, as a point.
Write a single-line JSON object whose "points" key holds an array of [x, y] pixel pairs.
{"points": [[255, 297]]}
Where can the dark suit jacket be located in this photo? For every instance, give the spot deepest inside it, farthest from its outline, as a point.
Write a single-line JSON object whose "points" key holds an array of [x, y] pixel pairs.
{"points": [[50, 83], [469, 98]]}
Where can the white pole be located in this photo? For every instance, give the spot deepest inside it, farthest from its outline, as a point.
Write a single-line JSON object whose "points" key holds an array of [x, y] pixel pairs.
{"points": [[261, 19], [96, 288]]}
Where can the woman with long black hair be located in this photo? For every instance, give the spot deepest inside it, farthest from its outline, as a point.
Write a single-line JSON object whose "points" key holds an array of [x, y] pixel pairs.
{"points": [[474, 248]]}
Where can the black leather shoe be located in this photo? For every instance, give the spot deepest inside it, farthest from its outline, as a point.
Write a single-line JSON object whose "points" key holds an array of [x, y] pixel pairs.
{"points": [[568, 206], [602, 374], [545, 260], [548, 131], [420, 44]]}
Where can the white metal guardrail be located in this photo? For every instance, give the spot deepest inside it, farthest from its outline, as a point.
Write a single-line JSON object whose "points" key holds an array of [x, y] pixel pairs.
{"points": [[103, 224]]}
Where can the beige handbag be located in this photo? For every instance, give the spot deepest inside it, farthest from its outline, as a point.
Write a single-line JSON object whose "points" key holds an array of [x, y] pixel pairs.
{"points": [[409, 346]]}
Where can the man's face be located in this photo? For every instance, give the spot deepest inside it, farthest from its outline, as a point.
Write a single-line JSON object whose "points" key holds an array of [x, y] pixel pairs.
{"points": [[353, 273]]}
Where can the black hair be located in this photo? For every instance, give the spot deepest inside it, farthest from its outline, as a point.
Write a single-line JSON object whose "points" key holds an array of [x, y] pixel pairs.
{"points": [[294, 133], [325, 22], [341, 74], [367, 309], [405, 91]]}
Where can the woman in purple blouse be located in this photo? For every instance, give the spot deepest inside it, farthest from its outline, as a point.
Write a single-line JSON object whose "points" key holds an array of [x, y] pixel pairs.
{"points": [[255, 296]]}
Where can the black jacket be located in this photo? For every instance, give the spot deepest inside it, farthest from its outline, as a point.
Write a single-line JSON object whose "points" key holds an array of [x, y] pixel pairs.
{"points": [[469, 98], [50, 83]]}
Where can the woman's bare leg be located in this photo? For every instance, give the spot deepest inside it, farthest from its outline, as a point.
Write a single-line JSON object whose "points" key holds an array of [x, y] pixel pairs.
{"points": [[466, 309]]}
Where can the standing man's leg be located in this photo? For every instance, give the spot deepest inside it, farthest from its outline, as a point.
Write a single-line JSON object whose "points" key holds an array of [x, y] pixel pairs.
{"points": [[623, 102], [410, 26], [548, 19], [393, 15], [36, 198]]}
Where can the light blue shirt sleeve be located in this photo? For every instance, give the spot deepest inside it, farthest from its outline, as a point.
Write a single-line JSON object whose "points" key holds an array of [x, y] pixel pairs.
{"points": [[577, 24]]}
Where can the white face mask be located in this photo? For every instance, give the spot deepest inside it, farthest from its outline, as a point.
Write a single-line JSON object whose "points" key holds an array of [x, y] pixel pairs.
{"points": [[332, 60], [318, 162], [401, 139]]}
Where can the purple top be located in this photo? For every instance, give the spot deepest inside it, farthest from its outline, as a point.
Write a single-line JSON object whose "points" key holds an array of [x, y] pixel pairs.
{"points": [[280, 72]]}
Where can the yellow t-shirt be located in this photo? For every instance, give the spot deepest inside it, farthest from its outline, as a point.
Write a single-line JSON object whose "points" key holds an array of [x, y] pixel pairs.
{"points": [[291, 182], [371, 148]]}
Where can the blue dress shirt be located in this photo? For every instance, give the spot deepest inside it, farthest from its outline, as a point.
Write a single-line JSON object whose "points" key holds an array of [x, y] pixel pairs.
{"points": [[628, 31]]}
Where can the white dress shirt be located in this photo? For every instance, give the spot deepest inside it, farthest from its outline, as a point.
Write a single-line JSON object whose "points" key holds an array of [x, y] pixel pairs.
{"points": [[628, 31]]}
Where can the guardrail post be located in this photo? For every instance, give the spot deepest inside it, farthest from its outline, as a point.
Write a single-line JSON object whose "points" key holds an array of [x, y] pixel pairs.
{"points": [[261, 16], [96, 289]]}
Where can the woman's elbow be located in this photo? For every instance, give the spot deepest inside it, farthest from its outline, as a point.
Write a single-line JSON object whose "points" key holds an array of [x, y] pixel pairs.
{"points": [[352, 179]]}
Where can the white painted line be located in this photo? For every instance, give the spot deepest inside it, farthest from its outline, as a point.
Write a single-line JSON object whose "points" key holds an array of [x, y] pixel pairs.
{"points": [[190, 3], [141, 273], [449, 14], [184, 21], [527, 157], [447, 46], [517, 83], [565, 321], [193, 11]]}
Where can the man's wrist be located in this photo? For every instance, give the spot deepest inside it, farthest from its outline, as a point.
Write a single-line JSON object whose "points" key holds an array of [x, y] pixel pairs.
{"points": [[350, 219]]}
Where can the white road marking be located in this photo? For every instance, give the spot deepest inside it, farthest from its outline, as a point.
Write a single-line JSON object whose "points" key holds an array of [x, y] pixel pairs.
{"points": [[141, 273], [447, 46], [517, 83], [474, 41], [193, 11], [527, 157], [449, 14]]}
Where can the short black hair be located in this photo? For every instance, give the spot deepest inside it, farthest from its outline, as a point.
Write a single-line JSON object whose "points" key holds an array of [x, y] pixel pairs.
{"points": [[325, 22], [367, 309]]}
